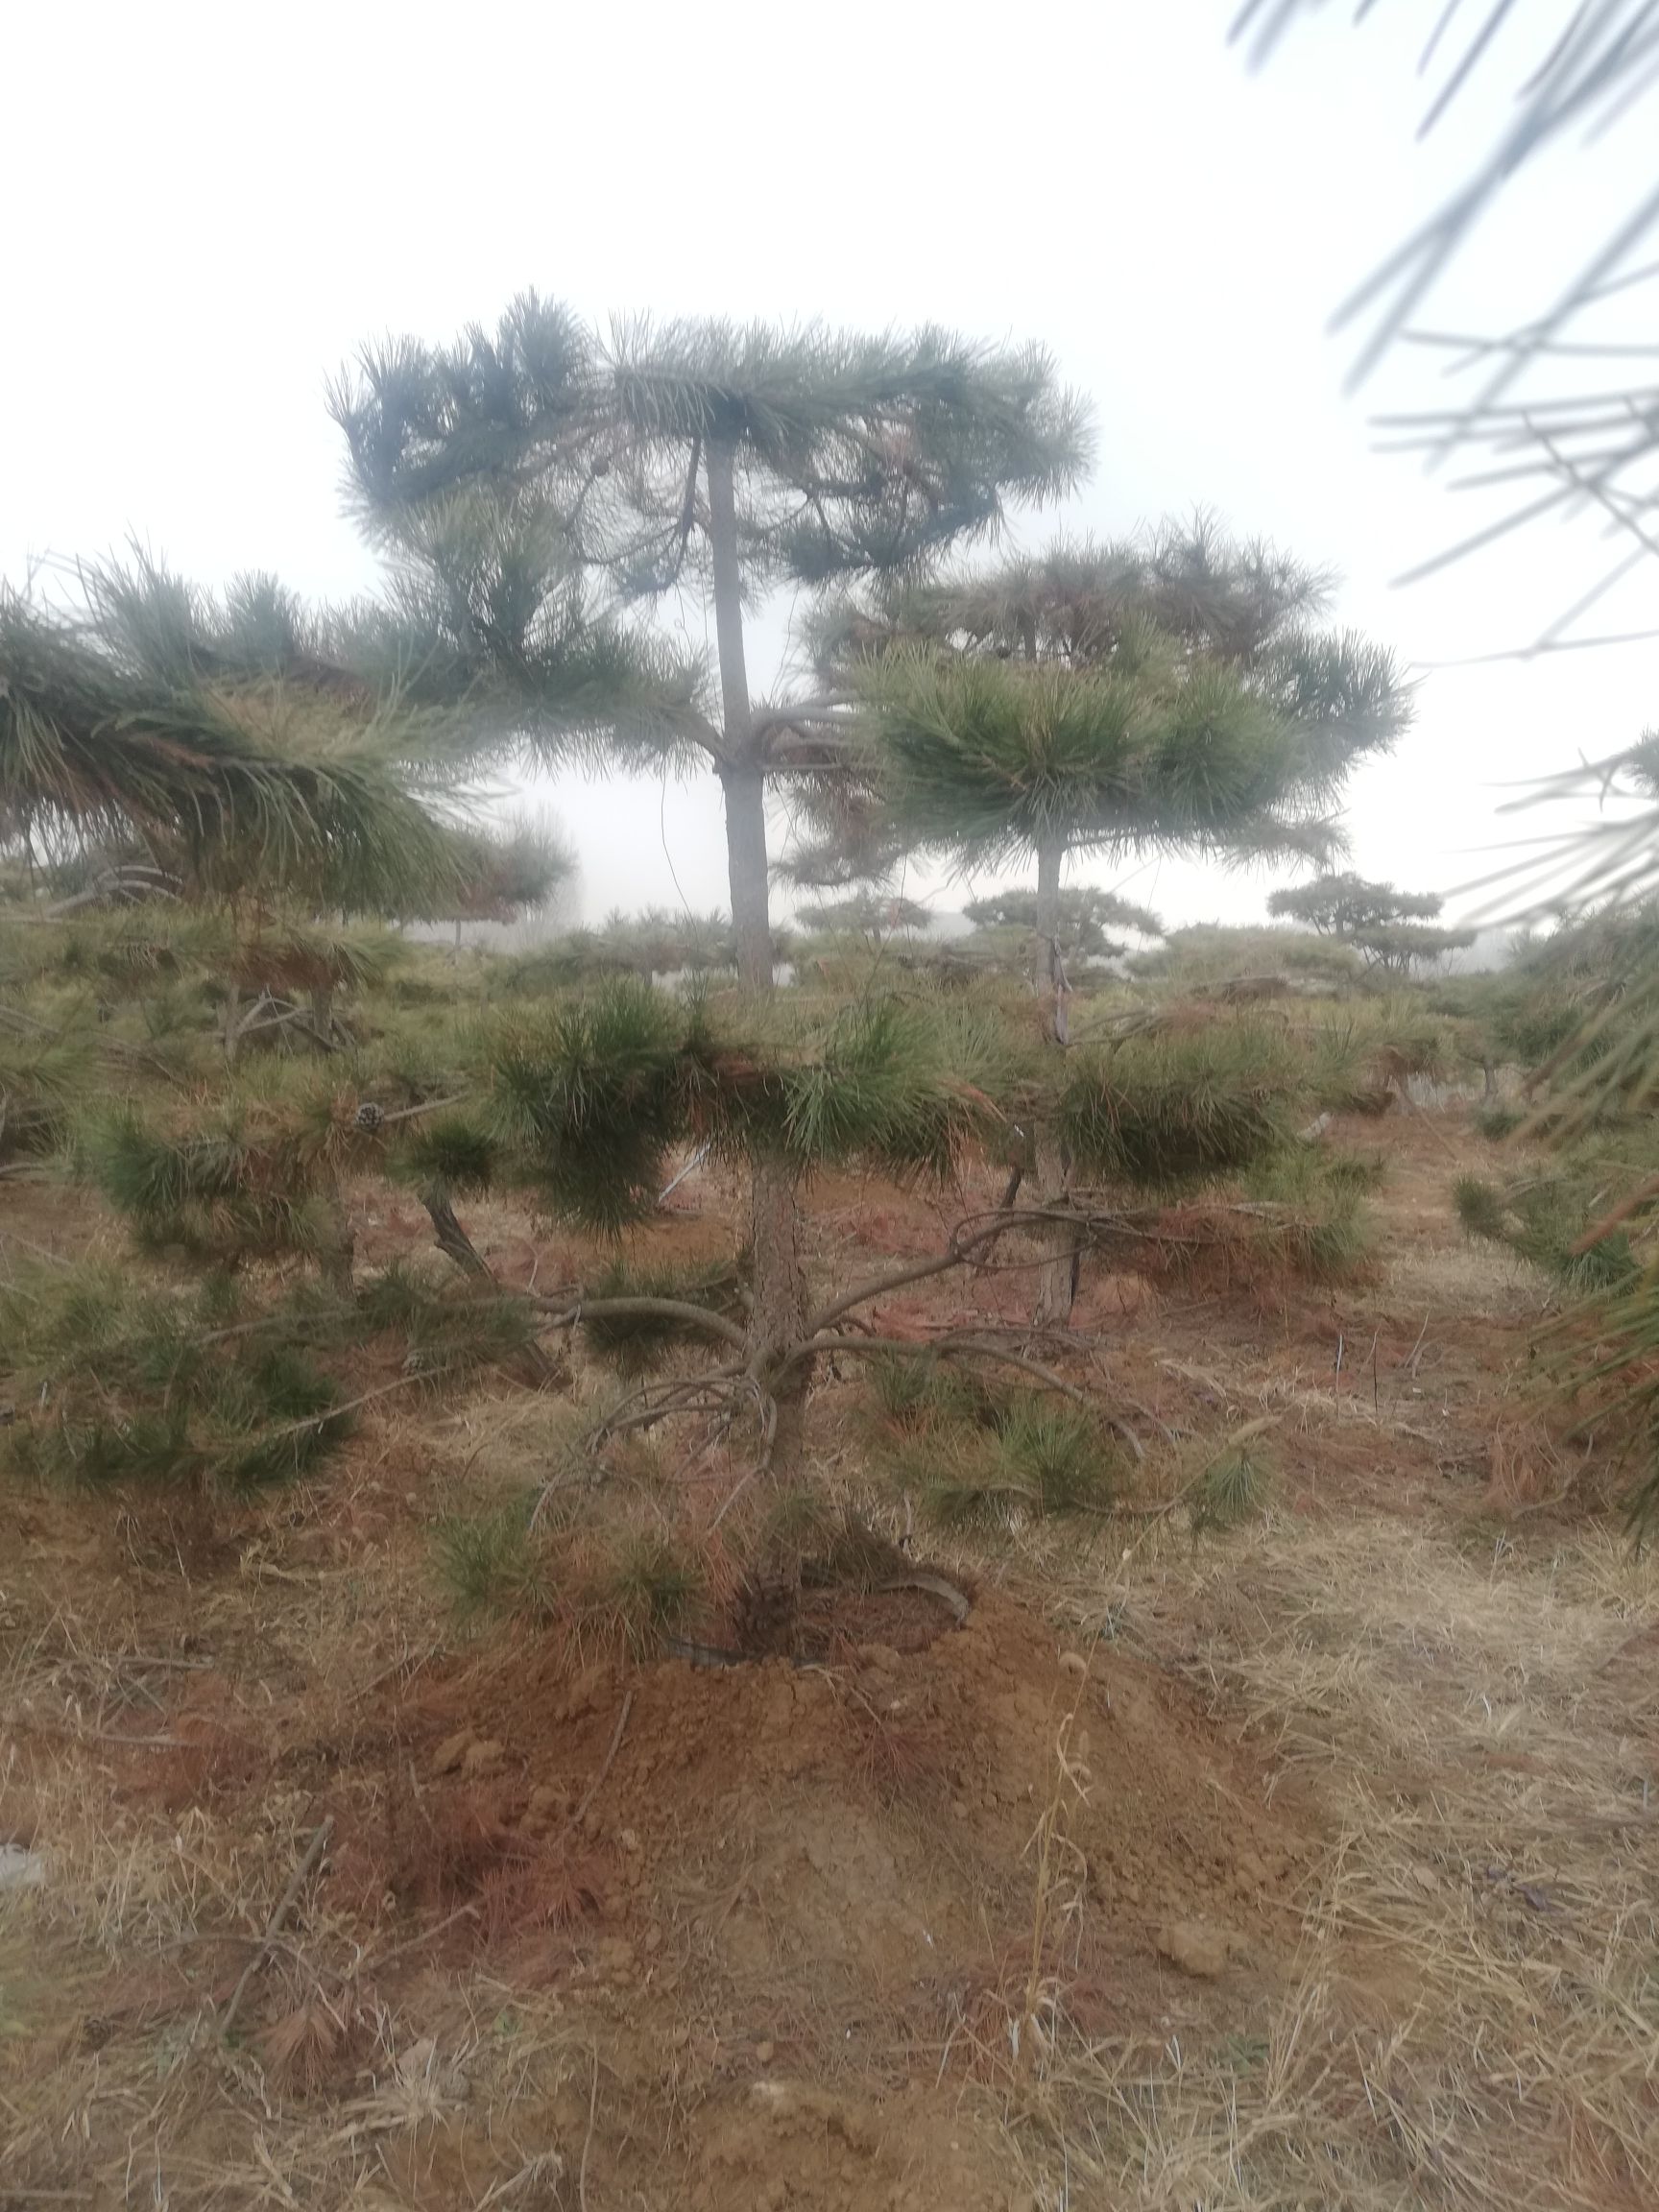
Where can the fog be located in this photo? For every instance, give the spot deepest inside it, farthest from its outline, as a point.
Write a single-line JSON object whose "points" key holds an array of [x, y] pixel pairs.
{"points": [[212, 209]]}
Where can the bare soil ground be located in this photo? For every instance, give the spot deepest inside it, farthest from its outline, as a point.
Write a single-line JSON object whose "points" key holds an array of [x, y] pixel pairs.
{"points": [[1315, 1863]]}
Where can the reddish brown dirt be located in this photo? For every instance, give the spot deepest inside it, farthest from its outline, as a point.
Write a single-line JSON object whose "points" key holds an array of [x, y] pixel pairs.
{"points": [[857, 1833], [812, 1890], [798, 1909], [795, 1913]]}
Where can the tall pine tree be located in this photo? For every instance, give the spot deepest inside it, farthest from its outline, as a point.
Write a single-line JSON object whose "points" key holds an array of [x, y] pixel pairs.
{"points": [[542, 487]]}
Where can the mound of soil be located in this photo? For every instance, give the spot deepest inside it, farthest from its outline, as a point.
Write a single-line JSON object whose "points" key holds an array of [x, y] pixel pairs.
{"points": [[774, 1874]]}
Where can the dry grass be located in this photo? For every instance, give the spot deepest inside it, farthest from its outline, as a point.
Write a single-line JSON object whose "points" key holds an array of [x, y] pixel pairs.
{"points": [[115, 2089], [1469, 1712], [1475, 2021]]}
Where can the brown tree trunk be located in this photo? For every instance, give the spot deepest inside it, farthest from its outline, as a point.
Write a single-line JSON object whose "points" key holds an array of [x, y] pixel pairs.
{"points": [[1057, 1281], [777, 1320], [740, 774], [455, 1244], [453, 1240], [337, 1250], [1057, 1278]]}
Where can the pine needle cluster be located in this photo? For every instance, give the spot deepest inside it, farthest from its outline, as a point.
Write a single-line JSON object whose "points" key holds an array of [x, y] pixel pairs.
{"points": [[1160, 1110], [236, 755], [1233, 1486], [1545, 1218], [594, 1093], [208, 1383], [599, 1576], [246, 1182], [127, 1386], [975, 1455]]}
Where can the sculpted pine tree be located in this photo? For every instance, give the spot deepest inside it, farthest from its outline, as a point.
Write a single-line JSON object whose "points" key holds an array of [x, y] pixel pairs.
{"points": [[1167, 694], [505, 874], [543, 487], [1392, 930], [1081, 921]]}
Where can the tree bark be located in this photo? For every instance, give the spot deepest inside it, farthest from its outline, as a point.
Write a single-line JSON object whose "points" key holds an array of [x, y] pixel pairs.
{"points": [[1057, 1281], [455, 1244], [740, 775], [322, 1018], [1057, 1278], [747, 870], [453, 1240], [1048, 965], [337, 1249], [777, 1320]]}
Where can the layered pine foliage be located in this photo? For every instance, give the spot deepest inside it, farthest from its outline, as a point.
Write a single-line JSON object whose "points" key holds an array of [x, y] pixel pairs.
{"points": [[1171, 691], [256, 1317], [450, 1083]]}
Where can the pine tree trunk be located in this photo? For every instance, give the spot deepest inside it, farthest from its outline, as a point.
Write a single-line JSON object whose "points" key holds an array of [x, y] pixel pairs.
{"points": [[747, 872], [337, 1249], [740, 775], [453, 1240], [1057, 1278], [777, 1320], [1046, 947], [1057, 1282]]}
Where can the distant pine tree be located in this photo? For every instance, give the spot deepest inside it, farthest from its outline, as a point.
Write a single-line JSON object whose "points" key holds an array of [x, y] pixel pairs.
{"points": [[1165, 694], [1392, 930]]}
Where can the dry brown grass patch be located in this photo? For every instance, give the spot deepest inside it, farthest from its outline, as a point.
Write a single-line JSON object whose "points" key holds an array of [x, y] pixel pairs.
{"points": [[1477, 2023]]}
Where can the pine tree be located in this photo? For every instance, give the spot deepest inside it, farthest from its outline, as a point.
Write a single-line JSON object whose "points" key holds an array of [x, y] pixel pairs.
{"points": [[1084, 918], [1165, 694], [865, 913], [233, 757], [159, 720], [1392, 930], [503, 875], [541, 487]]}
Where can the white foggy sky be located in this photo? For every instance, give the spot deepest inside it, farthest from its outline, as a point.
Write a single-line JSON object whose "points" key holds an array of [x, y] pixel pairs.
{"points": [[211, 207]]}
